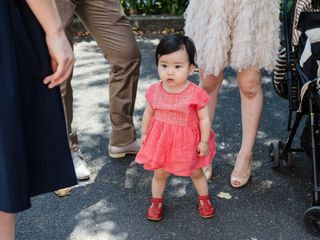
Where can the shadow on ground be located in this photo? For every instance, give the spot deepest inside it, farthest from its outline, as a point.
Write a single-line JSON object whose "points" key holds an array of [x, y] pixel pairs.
{"points": [[113, 204]]}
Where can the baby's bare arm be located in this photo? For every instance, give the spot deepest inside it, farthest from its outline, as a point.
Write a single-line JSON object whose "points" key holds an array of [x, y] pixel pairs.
{"points": [[147, 114], [204, 122]]}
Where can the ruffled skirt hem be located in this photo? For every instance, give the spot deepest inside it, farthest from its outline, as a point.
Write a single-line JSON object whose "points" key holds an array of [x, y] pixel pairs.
{"points": [[174, 149], [243, 34]]}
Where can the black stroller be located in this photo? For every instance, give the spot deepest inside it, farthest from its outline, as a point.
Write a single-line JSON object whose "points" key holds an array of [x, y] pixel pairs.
{"points": [[297, 78]]}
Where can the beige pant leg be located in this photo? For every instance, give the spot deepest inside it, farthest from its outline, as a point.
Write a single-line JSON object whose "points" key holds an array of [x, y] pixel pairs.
{"points": [[109, 26], [66, 10]]}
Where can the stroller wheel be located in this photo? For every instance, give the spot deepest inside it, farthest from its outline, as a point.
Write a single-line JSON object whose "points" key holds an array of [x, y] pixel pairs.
{"points": [[274, 153], [287, 163], [312, 220]]}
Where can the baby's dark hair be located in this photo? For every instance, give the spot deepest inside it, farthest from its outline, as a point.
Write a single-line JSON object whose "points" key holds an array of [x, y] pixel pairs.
{"points": [[174, 42]]}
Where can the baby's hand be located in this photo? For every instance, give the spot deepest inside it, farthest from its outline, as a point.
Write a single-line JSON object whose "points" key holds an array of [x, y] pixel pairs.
{"points": [[203, 149]]}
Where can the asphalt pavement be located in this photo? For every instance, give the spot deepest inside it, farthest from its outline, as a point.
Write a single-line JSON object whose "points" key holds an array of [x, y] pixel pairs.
{"points": [[112, 205]]}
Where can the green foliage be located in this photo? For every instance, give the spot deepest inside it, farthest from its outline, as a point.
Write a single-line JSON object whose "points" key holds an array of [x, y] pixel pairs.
{"points": [[289, 6], [176, 7], [147, 7]]}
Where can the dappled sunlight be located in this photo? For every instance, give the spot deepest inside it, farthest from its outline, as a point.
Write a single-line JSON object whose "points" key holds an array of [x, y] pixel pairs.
{"points": [[152, 41], [92, 92], [100, 208], [228, 158], [266, 80], [261, 134], [229, 83], [91, 75], [132, 176], [222, 145], [93, 223], [112, 204], [269, 141], [137, 177], [256, 164], [179, 186], [142, 88]]}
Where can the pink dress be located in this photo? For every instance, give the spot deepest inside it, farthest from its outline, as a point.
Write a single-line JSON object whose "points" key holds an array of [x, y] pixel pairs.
{"points": [[173, 133]]}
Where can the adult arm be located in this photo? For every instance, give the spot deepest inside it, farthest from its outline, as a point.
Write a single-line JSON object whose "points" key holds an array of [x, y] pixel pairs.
{"points": [[60, 51]]}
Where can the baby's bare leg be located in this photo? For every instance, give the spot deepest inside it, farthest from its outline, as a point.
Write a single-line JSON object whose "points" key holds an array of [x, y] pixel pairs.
{"points": [[159, 182], [200, 182]]}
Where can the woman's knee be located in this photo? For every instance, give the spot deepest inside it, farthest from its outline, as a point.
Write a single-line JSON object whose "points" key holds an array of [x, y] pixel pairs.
{"points": [[251, 91], [250, 85], [208, 87], [211, 83]]}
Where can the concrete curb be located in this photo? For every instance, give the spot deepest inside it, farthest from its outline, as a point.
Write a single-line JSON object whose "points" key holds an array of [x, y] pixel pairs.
{"points": [[145, 23]]}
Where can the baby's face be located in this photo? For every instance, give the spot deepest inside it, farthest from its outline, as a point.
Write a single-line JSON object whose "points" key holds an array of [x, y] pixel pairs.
{"points": [[174, 69]]}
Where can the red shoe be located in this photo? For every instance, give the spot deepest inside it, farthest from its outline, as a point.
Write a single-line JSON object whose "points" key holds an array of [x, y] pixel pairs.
{"points": [[206, 209], [155, 211]]}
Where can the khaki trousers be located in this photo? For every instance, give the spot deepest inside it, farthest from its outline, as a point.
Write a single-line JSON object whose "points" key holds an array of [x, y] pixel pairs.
{"points": [[109, 26]]}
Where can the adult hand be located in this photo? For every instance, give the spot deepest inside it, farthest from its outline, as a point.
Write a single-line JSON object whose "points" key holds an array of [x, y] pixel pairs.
{"points": [[62, 59]]}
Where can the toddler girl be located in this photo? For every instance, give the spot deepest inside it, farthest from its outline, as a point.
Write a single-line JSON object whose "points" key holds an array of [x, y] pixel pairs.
{"points": [[175, 133]]}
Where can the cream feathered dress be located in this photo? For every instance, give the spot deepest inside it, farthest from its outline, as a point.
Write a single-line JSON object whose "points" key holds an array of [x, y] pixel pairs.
{"points": [[241, 33]]}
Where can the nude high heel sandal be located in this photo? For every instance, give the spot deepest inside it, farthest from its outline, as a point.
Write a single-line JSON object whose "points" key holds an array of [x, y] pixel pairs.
{"points": [[207, 170], [237, 181]]}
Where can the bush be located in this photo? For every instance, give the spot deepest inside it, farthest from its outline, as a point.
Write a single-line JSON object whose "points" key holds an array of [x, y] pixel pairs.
{"points": [[289, 5], [168, 7], [147, 7]]}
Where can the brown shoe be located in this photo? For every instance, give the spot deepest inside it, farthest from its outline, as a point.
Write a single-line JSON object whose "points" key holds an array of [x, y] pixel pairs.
{"points": [[120, 152]]}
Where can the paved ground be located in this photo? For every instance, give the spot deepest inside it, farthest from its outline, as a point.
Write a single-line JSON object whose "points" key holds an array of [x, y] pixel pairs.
{"points": [[113, 204]]}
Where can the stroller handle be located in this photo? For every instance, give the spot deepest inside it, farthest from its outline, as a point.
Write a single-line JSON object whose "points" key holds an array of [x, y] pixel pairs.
{"points": [[288, 74], [286, 34]]}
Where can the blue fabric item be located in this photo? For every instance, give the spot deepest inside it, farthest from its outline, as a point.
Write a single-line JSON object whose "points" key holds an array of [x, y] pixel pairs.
{"points": [[34, 154]]}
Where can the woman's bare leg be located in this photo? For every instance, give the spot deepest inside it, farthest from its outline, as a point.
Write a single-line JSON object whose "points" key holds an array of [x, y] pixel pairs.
{"points": [[7, 226], [211, 84], [251, 108]]}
